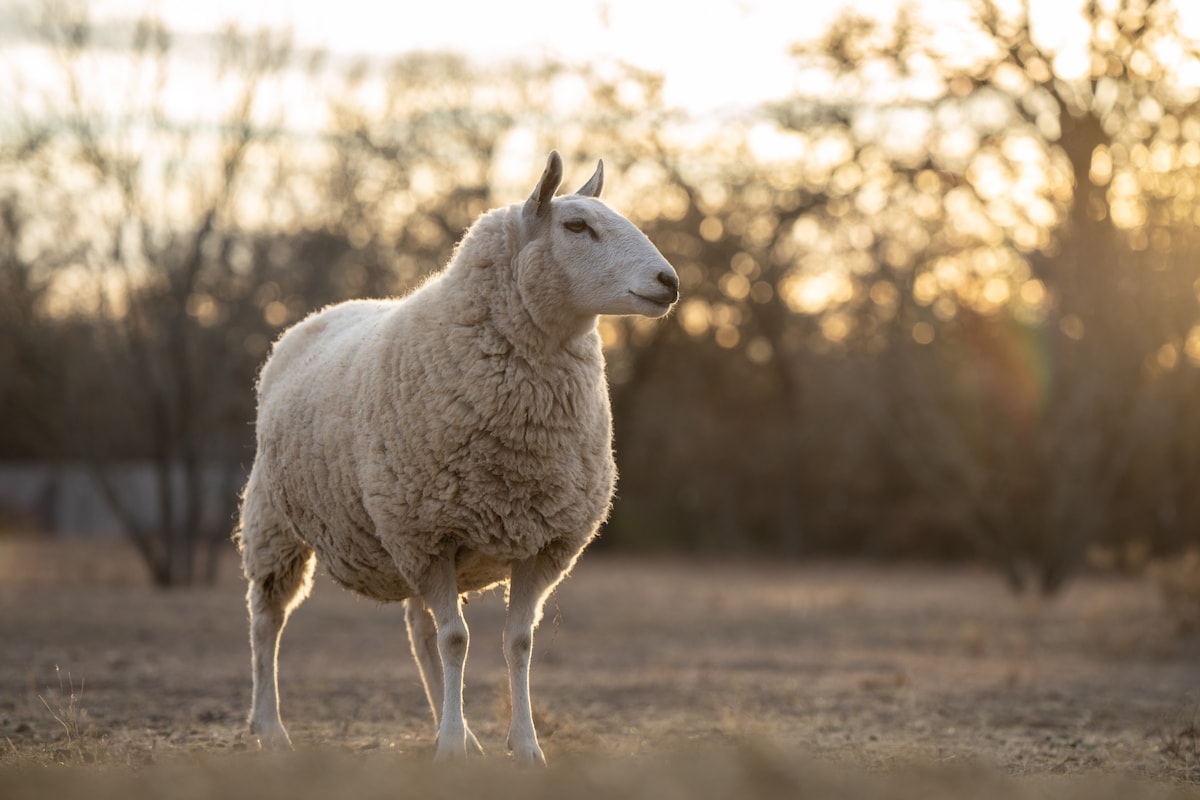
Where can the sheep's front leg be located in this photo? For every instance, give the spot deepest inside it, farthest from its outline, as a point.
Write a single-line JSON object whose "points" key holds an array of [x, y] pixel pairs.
{"points": [[423, 637], [531, 580], [439, 591]]}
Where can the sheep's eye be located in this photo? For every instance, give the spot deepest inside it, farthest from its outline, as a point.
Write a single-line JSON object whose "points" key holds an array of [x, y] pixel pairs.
{"points": [[578, 226]]}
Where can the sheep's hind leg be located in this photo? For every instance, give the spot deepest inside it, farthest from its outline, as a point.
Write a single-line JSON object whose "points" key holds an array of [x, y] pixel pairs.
{"points": [[438, 589], [271, 597], [530, 582], [423, 636]]}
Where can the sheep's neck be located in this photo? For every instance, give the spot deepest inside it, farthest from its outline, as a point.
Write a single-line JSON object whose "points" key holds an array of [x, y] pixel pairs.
{"points": [[535, 340]]}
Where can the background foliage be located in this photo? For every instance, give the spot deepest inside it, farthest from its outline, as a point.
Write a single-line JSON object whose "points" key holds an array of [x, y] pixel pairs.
{"points": [[933, 307]]}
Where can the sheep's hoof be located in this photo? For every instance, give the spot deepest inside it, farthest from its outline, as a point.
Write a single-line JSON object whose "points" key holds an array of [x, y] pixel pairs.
{"points": [[445, 754], [274, 739], [457, 750], [529, 757], [527, 754]]}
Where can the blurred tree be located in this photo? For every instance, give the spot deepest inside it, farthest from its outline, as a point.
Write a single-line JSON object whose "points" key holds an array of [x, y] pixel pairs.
{"points": [[30, 359], [417, 141], [156, 247], [1013, 247]]}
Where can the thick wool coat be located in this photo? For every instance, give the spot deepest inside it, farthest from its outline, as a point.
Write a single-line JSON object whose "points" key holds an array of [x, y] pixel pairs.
{"points": [[393, 432]]}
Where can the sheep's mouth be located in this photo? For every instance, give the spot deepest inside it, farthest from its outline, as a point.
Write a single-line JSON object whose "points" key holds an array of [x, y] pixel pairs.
{"points": [[660, 302]]}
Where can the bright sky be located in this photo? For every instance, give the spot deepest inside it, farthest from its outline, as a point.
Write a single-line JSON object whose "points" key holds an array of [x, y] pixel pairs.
{"points": [[715, 55]]}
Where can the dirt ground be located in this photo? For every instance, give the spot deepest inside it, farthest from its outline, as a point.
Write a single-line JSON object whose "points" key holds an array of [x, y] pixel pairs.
{"points": [[782, 672]]}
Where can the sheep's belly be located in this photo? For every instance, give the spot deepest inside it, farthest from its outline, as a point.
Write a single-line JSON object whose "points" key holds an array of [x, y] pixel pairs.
{"points": [[361, 565]]}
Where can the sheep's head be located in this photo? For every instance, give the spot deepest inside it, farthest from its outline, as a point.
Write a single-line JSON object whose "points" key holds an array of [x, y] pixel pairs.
{"points": [[580, 258]]}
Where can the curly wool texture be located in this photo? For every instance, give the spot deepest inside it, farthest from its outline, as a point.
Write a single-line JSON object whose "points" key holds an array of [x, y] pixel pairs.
{"points": [[391, 432]]}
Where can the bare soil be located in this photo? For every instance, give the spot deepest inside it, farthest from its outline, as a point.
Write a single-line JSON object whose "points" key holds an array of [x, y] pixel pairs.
{"points": [[715, 679]]}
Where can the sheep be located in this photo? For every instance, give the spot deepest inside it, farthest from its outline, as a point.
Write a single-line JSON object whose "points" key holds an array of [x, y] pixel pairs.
{"points": [[446, 442]]}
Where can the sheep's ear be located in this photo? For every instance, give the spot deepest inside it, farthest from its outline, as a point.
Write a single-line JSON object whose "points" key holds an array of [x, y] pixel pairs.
{"points": [[538, 203], [595, 183]]}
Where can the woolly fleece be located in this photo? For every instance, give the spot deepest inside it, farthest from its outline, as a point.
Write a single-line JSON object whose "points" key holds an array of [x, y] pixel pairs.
{"points": [[394, 431]]}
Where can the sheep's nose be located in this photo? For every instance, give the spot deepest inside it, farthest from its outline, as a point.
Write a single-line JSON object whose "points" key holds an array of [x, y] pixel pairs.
{"points": [[669, 280]]}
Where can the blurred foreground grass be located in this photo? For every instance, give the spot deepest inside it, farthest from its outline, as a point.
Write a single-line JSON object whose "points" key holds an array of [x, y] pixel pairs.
{"points": [[741, 771]]}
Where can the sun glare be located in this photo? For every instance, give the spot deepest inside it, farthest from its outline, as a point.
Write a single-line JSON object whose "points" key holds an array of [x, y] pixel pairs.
{"points": [[812, 294]]}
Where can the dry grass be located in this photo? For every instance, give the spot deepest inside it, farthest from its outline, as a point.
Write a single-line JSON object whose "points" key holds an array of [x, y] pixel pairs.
{"points": [[67, 707], [651, 679]]}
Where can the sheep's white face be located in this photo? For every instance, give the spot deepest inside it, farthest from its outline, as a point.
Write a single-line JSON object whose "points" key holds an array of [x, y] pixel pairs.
{"points": [[585, 259], [609, 265]]}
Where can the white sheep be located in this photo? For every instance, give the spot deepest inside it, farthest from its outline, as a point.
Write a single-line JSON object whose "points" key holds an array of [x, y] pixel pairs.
{"points": [[448, 441]]}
